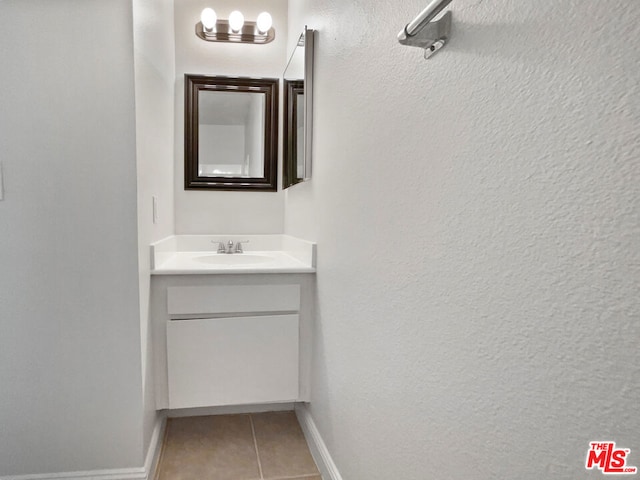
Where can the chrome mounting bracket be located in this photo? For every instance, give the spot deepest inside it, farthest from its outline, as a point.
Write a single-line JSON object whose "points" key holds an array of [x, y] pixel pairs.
{"points": [[432, 37]]}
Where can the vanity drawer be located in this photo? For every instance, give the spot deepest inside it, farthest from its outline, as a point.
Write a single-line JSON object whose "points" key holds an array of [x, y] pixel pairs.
{"points": [[232, 361], [212, 300]]}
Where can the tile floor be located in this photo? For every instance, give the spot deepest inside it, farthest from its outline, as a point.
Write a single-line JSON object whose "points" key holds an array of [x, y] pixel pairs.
{"points": [[258, 446]]}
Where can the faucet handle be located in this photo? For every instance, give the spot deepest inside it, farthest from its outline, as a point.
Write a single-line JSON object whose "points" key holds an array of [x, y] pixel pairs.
{"points": [[239, 246], [221, 247]]}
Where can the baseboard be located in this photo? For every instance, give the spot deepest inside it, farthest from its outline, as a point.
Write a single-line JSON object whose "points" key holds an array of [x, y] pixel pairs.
{"points": [[316, 444], [115, 474], [155, 447], [146, 472]]}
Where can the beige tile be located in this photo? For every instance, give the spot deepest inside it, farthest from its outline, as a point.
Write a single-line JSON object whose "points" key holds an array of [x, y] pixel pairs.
{"points": [[312, 477], [209, 448], [281, 445]]}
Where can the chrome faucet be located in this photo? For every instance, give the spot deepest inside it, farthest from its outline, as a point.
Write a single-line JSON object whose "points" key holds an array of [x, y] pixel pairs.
{"points": [[239, 246], [229, 247]]}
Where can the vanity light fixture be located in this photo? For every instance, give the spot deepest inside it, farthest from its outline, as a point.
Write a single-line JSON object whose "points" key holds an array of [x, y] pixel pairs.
{"points": [[236, 21], [424, 32], [264, 22], [236, 29], [208, 18]]}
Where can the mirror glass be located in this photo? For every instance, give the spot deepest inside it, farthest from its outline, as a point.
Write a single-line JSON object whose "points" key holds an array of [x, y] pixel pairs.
{"points": [[231, 133], [298, 96], [293, 161]]}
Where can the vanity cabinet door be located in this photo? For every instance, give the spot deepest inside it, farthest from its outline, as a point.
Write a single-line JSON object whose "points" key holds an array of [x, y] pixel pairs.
{"points": [[232, 361]]}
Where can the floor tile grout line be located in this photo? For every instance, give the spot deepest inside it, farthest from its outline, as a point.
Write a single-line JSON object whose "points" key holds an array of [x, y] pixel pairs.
{"points": [[255, 445]]}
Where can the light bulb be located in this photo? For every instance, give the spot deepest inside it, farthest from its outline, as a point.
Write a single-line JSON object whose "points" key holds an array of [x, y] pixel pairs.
{"points": [[208, 18], [264, 22], [236, 20]]}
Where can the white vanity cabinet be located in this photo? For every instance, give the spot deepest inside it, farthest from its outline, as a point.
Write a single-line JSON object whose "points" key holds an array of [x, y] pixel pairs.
{"points": [[231, 361], [231, 339]]}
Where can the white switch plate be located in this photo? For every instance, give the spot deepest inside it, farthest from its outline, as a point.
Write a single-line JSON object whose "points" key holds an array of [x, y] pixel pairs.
{"points": [[1, 183], [155, 208]]}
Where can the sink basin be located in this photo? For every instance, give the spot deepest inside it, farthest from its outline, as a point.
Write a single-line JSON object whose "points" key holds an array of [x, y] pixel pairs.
{"points": [[235, 259]]}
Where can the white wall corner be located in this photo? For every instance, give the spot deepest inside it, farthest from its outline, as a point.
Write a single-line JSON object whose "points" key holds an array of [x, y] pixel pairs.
{"points": [[316, 444], [147, 472]]}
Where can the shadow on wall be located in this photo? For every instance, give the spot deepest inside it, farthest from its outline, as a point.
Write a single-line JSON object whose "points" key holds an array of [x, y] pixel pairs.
{"points": [[480, 40]]}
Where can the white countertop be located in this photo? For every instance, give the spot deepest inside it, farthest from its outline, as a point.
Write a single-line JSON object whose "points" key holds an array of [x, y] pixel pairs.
{"points": [[192, 255]]}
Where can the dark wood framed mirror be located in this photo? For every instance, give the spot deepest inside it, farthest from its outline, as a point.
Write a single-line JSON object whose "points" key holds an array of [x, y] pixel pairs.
{"points": [[293, 124], [230, 133], [298, 107]]}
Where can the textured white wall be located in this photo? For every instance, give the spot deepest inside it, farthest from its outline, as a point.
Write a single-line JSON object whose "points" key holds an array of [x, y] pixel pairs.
{"points": [[69, 329], [201, 212], [478, 225], [154, 55]]}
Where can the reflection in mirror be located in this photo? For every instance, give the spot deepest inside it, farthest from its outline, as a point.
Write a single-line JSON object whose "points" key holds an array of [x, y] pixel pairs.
{"points": [[298, 101], [230, 133], [293, 171], [298, 123]]}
